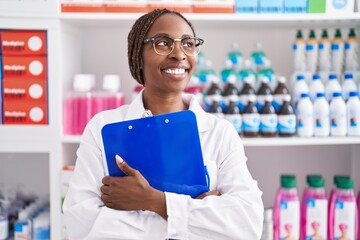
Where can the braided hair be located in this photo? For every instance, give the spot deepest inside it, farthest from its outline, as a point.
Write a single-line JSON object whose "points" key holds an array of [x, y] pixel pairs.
{"points": [[136, 39]]}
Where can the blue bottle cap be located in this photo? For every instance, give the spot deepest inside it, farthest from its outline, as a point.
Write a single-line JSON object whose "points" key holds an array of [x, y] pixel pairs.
{"points": [[354, 94], [304, 95], [337, 94], [300, 77], [332, 76], [348, 76], [320, 94], [316, 77]]}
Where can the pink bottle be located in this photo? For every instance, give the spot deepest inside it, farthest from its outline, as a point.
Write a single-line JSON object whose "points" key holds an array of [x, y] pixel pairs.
{"points": [[314, 209], [343, 217], [287, 210], [78, 104], [110, 97]]}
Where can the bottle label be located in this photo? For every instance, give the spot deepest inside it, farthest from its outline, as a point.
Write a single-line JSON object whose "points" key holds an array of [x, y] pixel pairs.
{"points": [[289, 220], [235, 120], [316, 219], [351, 56], [322, 123], [251, 122], [278, 100], [344, 222], [268, 123], [305, 123], [287, 123], [354, 121], [243, 101], [338, 122]]}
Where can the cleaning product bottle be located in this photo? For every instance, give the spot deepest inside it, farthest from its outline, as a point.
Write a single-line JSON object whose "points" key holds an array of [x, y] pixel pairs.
{"points": [[287, 210], [246, 91], [251, 118], [332, 86], [268, 118], [227, 72], [305, 117], [215, 108], [338, 125], [353, 114], [257, 57], [232, 113], [337, 53], [352, 52], [247, 72], [312, 52], [324, 61], [230, 93], [343, 217], [235, 56], [321, 116], [299, 53], [214, 91], [280, 92], [268, 225], [269, 72], [299, 88], [263, 91], [194, 87], [316, 86], [314, 209], [348, 86], [286, 119]]}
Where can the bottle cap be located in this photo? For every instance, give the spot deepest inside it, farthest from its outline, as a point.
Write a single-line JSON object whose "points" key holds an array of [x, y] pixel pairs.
{"points": [[315, 181], [348, 76], [264, 79], [231, 79], [336, 94], [353, 94], [346, 183], [111, 82], [332, 76], [251, 98], [288, 181], [281, 79], [304, 95], [316, 77], [268, 98], [300, 77], [83, 82], [320, 94], [338, 178], [286, 98]]}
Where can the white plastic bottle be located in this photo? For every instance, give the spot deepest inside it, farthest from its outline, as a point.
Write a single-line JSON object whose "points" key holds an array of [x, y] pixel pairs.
{"points": [[338, 115], [316, 86], [299, 53], [324, 61], [348, 86], [299, 88], [353, 114], [337, 52], [332, 86], [352, 52], [305, 117], [311, 52], [321, 116]]}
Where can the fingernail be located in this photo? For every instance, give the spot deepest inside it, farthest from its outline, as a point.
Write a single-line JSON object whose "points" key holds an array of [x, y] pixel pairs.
{"points": [[117, 157]]}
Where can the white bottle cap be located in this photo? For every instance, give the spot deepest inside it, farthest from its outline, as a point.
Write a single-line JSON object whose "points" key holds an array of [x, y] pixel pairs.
{"points": [[281, 79], [231, 79], [264, 79], [83, 82], [111, 82]]}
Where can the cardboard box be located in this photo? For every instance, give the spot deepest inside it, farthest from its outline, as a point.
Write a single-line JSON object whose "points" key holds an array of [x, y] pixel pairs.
{"points": [[20, 112], [20, 43], [25, 67], [24, 90]]}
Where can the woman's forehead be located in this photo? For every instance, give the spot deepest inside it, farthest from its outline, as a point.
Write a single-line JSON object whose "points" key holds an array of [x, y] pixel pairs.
{"points": [[171, 24]]}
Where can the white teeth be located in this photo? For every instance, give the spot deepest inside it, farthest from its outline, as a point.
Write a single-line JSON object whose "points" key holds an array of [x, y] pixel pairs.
{"points": [[175, 71]]}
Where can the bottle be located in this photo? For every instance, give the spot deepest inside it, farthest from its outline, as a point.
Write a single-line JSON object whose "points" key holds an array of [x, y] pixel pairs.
{"points": [[269, 73], [235, 56], [305, 117], [4, 223], [257, 57], [337, 53], [227, 72], [338, 116], [352, 52], [268, 225], [263, 91], [245, 93], [206, 73], [324, 61], [299, 88], [268, 118], [247, 72], [299, 53], [280, 92], [23, 227], [194, 88], [286, 119], [353, 114], [78, 104], [214, 91], [332, 86], [348, 86], [343, 217], [311, 52], [232, 113], [230, 93], [251, 118], [287, 210], [314, 209], [321, 116], [316, 86]]}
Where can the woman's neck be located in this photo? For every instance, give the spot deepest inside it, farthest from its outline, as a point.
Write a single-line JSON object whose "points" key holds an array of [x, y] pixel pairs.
{"points": [[161, 104]]}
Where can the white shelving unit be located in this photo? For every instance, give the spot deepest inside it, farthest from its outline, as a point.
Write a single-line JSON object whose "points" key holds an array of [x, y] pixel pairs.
{"points": [[97, 43]]}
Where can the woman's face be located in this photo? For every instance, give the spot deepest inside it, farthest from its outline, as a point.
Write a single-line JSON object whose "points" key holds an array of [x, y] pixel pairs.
{"points": [[171, 73]]}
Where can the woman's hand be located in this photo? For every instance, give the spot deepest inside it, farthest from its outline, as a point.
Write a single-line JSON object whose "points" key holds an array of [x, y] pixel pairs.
{"points": [[210, 193], [132, 192]]}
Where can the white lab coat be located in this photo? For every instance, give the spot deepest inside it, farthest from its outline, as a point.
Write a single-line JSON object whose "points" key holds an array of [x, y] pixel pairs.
{"points": [[236, 214]]}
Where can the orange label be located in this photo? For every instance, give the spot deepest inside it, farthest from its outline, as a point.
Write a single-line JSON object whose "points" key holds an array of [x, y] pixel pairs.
{"points": [[20, 43], [24, 90], [30, 67], [19, 112]]}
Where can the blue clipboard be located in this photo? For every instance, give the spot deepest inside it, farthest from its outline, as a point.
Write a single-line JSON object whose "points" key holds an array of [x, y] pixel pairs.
{"points": [[164, 148]]}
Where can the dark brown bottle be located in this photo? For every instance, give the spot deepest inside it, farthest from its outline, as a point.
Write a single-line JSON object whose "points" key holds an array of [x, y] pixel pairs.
{"points": [[286, 119], [268, 118], [251, 118], [280, 92]]}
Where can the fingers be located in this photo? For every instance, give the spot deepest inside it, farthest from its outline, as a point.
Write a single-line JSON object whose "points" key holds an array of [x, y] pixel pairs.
{"points": [[125, 167], [210, 193]]}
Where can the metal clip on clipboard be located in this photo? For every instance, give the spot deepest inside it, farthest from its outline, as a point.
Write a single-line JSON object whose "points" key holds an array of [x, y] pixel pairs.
{"points": [[164, 148]]}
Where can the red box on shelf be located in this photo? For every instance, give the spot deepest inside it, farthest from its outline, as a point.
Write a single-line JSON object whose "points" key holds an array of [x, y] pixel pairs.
{"points": [[24, 90], [21, 112], [29, 67], [20, 43]]}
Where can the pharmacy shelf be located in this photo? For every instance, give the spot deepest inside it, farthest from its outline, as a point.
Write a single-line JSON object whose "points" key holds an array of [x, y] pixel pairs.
{"points": [[221, 20]]}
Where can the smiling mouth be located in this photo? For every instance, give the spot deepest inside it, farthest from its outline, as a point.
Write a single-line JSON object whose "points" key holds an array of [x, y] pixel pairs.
{"points": [[175, 71]]}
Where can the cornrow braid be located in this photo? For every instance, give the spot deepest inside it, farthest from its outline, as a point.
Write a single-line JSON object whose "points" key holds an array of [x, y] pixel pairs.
{"points": [[136, 39]]}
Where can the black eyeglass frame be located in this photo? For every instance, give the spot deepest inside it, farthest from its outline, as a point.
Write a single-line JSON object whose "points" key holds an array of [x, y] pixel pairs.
{"points": [[153, 39]]}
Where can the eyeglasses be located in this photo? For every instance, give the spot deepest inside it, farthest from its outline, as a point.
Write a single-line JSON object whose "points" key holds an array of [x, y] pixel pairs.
{"points": [[164, 45]]}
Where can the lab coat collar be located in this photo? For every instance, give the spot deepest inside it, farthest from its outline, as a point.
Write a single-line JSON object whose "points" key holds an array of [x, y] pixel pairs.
{"points": [[136, 109]]}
